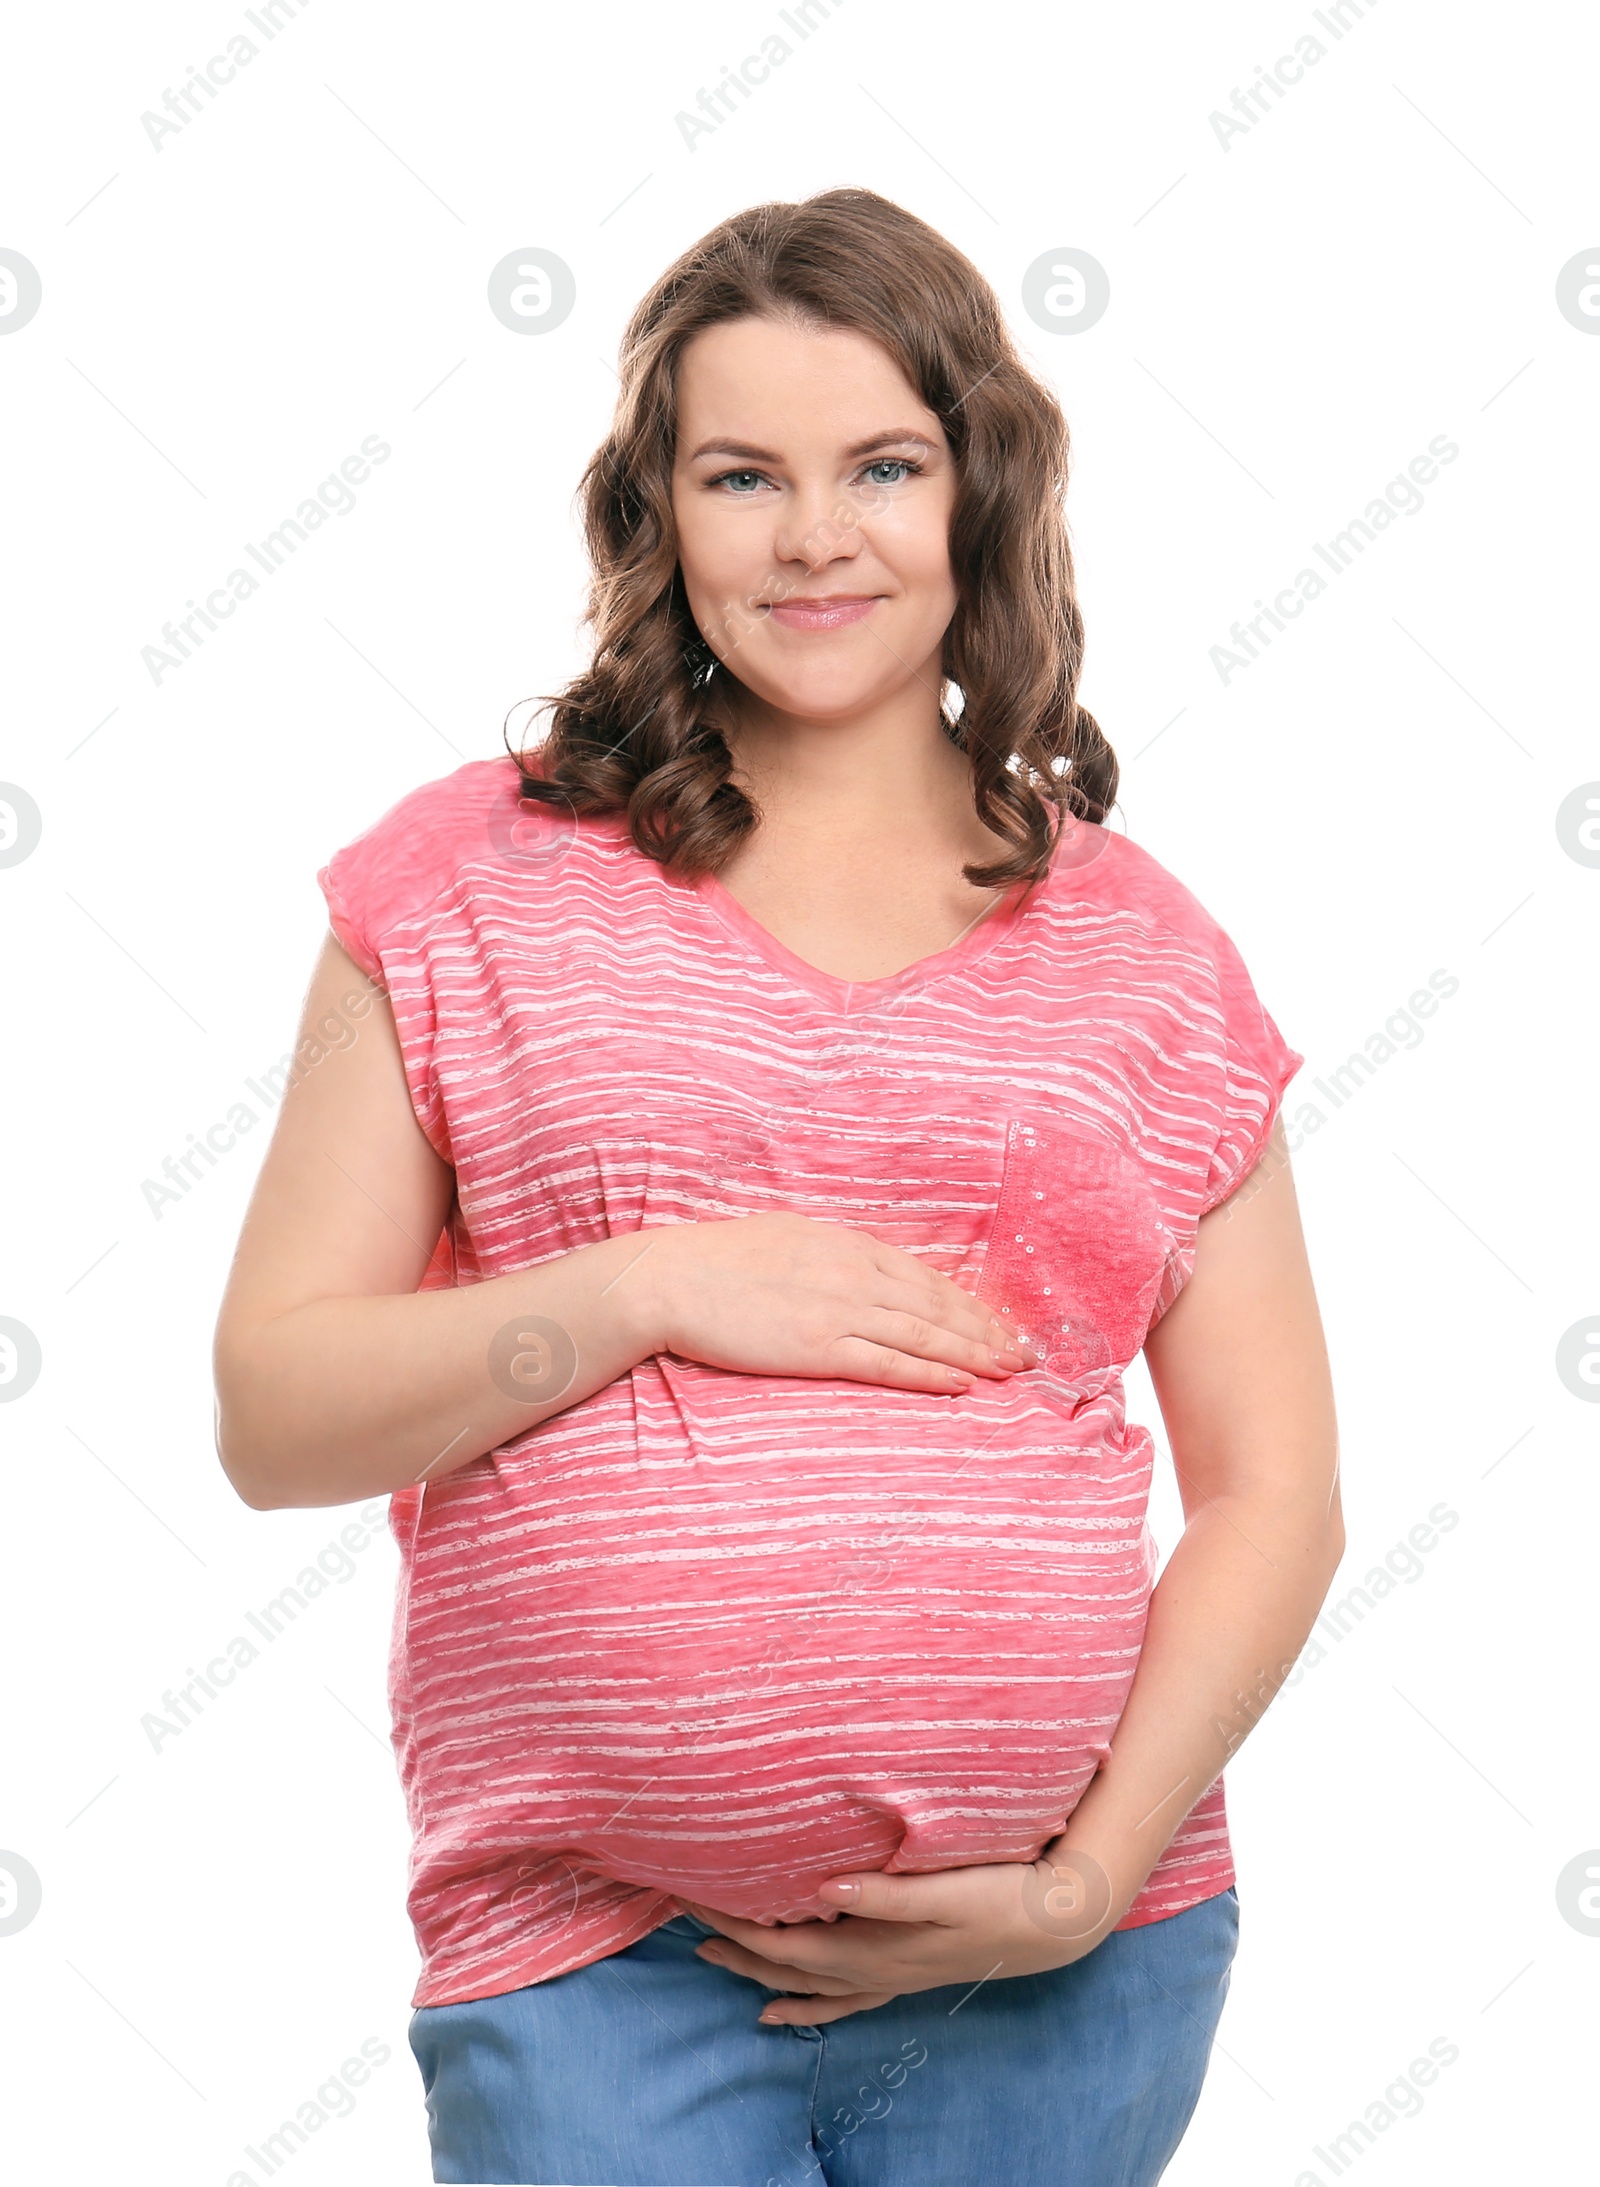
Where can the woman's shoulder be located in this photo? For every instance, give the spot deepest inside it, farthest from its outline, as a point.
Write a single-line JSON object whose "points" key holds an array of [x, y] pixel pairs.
{"points": [[1132, 895], [389, 879], [440, 813], [1190, 959], [1099, 866]]}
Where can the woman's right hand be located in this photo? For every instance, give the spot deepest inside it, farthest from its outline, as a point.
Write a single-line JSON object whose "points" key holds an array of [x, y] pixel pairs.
{"points": [[788, 1295], [340, 1377]]}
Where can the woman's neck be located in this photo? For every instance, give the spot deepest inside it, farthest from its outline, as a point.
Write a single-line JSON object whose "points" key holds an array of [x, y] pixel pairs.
{"points": [[876, 784]]}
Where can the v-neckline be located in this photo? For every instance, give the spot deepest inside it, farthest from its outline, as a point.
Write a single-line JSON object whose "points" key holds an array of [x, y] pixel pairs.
{"points": [[847, 996]]}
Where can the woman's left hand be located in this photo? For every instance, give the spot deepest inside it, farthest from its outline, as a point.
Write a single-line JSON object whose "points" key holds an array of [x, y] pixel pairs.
{"points": [[908, 1933]]}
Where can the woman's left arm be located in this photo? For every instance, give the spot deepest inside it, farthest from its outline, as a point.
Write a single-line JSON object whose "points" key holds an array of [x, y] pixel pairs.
{"points": [[1241, 1372]]}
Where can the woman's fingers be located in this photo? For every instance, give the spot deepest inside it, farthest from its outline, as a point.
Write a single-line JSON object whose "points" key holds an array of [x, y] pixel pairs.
{"points": [[788, 2012], [774, 1974], [787, 1294], [859, 1359], [808, 2000], [927, 1338], [805, 2002], [918, 1290], [968, 1323]]}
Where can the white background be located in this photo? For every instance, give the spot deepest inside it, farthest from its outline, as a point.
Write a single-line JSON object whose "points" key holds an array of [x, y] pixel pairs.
{"points": [[1292, 319]]}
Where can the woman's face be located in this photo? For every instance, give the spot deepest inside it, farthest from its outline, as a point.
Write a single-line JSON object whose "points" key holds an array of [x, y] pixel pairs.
{"points": [[812, 492]]}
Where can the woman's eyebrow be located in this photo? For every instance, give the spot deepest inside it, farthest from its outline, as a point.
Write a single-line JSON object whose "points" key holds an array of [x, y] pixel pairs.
{"points": [[767, 455]]}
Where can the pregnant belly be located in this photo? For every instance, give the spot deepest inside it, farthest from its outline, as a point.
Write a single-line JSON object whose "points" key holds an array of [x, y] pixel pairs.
{"points": [[927, 1732], [731, 1689]]}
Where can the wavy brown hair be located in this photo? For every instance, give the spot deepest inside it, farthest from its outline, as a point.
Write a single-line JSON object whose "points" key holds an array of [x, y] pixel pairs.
{"points": [[638, 730]]}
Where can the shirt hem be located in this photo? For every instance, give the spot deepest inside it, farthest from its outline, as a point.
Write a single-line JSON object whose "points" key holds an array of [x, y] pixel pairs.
{"points": [[523, 1974], [1190, 1896]]}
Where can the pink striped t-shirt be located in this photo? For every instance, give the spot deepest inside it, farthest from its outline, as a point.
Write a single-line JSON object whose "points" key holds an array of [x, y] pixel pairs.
{"points": [[723, 1634]]}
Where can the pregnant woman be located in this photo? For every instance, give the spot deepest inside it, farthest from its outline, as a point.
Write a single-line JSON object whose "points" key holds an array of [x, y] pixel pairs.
{"points": [[736, 1149]]}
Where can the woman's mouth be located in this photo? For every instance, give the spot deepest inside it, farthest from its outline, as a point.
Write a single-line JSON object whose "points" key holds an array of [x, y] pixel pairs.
{"points": [[830, 612]]}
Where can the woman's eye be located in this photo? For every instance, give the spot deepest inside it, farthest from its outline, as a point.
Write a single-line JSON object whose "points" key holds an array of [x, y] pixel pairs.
{"points": [[745, 483]]}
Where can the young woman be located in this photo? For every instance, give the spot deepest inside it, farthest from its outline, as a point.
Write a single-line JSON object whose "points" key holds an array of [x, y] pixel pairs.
{"points": [[779, 1110]]}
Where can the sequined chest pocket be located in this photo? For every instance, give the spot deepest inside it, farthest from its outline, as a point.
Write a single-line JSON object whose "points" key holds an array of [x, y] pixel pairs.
{"points": [[1080, 1258]]}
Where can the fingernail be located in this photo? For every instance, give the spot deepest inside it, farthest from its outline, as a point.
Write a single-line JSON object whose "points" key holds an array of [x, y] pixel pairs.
{"points": [[845, 1891]]}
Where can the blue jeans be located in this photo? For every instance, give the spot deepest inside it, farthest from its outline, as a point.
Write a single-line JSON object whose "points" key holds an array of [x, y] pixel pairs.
{"points": [[647, 2069]]}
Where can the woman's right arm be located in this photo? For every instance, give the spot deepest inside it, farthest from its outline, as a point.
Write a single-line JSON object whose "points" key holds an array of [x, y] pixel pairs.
{"points": [[337, 1379]]}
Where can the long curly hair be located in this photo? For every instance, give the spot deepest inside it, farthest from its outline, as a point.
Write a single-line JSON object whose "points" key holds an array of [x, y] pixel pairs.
{"points": [[638, 730]]}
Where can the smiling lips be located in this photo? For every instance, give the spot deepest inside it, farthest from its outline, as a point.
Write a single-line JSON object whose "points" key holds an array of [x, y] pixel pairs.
{"points": [[830, 612]]}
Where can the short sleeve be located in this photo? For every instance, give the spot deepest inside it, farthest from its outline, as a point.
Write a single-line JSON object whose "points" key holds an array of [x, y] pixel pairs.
{"points": [[1258, 1064], [337, 881], [387, 881]]}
